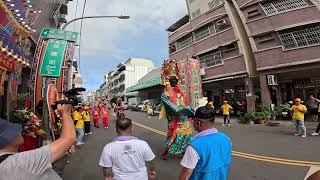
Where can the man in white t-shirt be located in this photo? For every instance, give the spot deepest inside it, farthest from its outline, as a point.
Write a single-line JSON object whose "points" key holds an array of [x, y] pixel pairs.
{"points": [[127, 157]]}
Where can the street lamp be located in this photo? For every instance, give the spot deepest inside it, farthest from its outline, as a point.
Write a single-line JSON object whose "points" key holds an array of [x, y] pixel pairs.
{"points": [[92, 17]]}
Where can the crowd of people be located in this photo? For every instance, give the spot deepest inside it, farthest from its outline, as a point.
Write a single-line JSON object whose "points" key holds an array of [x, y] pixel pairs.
{"points": [[82, 115]]}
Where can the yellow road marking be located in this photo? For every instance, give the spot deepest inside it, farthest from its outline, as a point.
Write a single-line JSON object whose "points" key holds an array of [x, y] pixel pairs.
{"points": [[247, 155]]}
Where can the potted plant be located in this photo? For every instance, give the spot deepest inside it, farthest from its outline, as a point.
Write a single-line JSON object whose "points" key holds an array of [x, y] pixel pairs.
{"points": [[250, 117], [32, 128], [276, 112]]}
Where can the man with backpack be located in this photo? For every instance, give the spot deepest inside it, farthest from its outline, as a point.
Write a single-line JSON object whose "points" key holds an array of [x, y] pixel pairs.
{"points": [[35, 164]]}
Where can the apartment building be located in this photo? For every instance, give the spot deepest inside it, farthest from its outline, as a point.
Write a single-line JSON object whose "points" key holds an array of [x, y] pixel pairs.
{"points": [[127, 74], [261, 51]]}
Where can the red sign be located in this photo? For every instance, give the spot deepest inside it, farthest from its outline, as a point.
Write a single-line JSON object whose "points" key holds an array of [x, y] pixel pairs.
{"points": [[52, 97], [6, 64]]}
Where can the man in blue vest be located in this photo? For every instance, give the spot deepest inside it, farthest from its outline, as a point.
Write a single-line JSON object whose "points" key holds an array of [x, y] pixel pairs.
{"points": [[208, 155]]}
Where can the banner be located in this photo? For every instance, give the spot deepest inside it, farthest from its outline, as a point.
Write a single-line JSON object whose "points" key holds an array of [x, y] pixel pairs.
{"points": [[2, 78], [52, 98], [195, 79], [13, 88], [191, 80]]}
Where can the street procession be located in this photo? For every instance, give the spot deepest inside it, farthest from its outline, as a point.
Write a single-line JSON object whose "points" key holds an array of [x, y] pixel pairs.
{"points": [[163, 90]]}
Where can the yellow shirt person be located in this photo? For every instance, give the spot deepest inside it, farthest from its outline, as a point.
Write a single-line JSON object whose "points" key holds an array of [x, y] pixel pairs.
{"points": [[86, 116], [226, 108], [298, 111], [78, 117]]}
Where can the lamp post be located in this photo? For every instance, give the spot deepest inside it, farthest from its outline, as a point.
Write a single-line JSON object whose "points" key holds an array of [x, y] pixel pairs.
{"points": [[87, 17], [92, 17]]}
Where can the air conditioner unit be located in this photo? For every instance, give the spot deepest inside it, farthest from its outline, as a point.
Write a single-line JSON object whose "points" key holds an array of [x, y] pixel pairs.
{"points": [[202, 72], [272, 81], [222, 22]]}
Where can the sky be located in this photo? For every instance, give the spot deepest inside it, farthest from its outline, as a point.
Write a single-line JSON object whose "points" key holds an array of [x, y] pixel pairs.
{"points": [[107, 42]]}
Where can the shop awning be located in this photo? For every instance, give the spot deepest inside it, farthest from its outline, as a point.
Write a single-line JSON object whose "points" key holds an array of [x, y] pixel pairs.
{"points": [[146, 84]]}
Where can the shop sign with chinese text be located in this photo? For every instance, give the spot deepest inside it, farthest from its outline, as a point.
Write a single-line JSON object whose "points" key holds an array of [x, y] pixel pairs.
{"points": [[53, 57]]}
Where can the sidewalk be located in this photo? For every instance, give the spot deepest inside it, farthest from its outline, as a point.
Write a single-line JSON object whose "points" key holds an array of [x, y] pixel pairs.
{"points": [[290, 123]]}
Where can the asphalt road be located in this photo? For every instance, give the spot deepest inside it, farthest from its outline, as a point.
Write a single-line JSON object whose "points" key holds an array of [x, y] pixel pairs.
{"points": [[277, 142]]}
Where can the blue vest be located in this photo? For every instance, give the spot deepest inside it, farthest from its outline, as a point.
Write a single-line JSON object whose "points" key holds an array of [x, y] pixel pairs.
{"points": [[214, 151]]}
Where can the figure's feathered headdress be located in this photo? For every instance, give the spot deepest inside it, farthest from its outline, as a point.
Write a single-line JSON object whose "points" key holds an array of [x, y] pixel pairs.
{"points": [[170, 68]]}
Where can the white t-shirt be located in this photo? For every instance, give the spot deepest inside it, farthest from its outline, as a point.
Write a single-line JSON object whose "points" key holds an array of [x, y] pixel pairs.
{"points": [[190, 158], [127, 159]]}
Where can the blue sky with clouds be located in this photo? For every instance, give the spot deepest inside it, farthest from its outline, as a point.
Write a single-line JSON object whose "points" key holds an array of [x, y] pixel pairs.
{"points": [[107, 42]]}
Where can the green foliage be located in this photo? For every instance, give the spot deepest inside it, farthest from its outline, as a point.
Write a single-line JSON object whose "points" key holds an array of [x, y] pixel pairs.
{"points": [[18, 118], [21, 98], [256, 116], [250, 116], [276, 112]]}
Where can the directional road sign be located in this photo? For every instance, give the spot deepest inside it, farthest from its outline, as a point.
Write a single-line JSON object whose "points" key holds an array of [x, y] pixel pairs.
{"points": [[49, 33]]}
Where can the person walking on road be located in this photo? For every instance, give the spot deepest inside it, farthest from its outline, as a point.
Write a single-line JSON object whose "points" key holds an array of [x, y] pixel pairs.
{"points": [[316, 133], [298, 111], [96, 117], [35, 164], [86, 117], [105, 118], [208, 155], [78, 118], [127, 157], [313, 106], [226, 108]]}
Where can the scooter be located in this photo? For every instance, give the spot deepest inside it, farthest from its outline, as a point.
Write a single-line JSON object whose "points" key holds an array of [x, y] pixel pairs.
{"points": [[285, 114]]}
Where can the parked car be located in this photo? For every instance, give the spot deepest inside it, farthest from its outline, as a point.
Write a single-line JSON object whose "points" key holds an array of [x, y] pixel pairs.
{"points": [[134, 108], [157, 109], [140, 107]]}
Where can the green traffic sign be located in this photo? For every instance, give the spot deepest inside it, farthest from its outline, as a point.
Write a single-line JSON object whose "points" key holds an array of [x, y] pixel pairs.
{"points": [[50, 33], [53, 57]]}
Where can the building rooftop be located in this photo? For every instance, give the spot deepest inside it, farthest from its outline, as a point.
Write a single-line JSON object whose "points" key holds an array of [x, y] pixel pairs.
{"points": [[179, 23], [153, 78], [151, 75]]}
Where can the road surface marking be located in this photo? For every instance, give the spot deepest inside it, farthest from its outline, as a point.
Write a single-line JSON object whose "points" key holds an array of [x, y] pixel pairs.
{"points": [[247, 155]]}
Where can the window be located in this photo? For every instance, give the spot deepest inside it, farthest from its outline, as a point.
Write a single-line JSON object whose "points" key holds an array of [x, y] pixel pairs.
{"points": [[265, 38], [253, 13], [305, 36], [221, 24], [196, 13], [172, 48], [184, 41], [210, 59], [230, 47], [280, 6], [215, 3], [204, 32]]}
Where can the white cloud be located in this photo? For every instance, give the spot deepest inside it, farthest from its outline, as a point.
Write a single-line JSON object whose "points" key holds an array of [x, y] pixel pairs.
{"points": [[104, 35]]}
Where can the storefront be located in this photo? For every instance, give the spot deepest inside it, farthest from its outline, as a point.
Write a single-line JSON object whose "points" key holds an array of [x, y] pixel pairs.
{"points": [[15, 51]]}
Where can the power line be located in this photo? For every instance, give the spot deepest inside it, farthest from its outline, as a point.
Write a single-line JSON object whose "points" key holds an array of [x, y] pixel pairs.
{"points": [[83, 10], [75, 15]]}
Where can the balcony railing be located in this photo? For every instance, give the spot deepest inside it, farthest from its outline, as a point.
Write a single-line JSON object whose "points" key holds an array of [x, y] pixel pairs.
{"points": [[300, 38]]}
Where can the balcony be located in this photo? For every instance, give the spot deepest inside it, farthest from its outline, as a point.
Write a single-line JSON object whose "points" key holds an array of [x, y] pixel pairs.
{"points": [[230, 66], [276, 57], [283, 20], [198, 22]]}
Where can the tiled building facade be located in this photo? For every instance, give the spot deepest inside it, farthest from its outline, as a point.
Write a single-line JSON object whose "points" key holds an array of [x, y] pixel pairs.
{"points": [[264, 51]]}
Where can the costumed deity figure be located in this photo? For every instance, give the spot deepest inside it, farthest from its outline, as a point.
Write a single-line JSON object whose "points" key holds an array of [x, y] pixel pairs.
{"points": [[175, 110], [119, 109]]}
